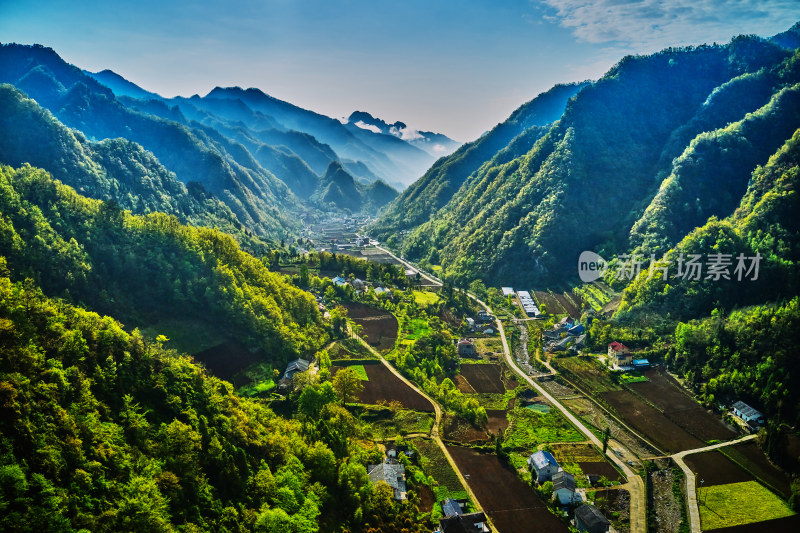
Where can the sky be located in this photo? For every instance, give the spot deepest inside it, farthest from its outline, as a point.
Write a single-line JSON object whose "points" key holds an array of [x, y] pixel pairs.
{"points": [[457, 67]]}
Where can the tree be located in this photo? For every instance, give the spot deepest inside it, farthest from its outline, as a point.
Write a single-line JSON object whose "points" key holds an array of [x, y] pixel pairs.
{"points": [[304, 278], [347, 385], [606, 435]]}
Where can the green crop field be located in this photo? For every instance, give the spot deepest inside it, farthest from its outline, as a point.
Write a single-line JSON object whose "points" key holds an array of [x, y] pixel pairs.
{"points": [[738, 503], [426, 297], [530, 428], [435, 464], [360, 371]]}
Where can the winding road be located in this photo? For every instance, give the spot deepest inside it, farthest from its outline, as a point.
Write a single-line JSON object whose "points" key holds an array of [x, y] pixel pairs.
{"points": [[635, 484]]}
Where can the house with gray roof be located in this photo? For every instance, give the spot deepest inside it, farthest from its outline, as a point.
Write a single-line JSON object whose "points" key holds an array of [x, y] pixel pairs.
{"points": [[747, 414], [393, 474], [564, 487], [588, 519]]}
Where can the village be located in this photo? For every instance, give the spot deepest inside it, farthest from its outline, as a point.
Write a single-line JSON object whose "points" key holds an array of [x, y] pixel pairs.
{"points": [[644, 424]]}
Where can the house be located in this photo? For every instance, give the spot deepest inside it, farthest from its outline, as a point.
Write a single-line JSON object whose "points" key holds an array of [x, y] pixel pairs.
{"points": [[471, 324], [489, 331], [560, 345], [566, 322], [450, 507], [527, 303], [464, 523], [466, 348], [577, 329], [619, 354], [298, 365], [359, 285], [381, 290], [542, 466], [507, 291], [393, 474], [339, 281], [590, 520], [483, 316], [641, 364], [564, 487], [747, 414], [579, 341]]}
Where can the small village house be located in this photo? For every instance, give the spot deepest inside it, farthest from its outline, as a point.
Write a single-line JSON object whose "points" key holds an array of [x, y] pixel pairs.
{"points": [[466, 348], [393, 474], [542, 465], [747, 414], [588, 519], [619, 354], [564, 488]]}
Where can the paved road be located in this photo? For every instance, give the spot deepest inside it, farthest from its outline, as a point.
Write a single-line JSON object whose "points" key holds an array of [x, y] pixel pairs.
{"points": [[691, 482], [435, 429]]}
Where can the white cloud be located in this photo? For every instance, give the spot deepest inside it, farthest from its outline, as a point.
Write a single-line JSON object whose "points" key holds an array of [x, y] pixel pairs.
{"points": [[407, 134], [439, 148], [646, 25], [371, 127]]}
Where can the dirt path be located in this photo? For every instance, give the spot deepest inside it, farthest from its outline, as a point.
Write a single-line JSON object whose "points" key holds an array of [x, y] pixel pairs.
{"points": [[435, 429], [691, 482]]}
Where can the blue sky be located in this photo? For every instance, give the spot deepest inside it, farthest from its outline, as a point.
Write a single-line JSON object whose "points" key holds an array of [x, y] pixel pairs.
{"points": [[457, 67]]}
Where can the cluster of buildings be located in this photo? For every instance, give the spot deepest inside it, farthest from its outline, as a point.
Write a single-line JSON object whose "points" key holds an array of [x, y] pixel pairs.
{"points": [[482, 323], [567, 335], [526, 302], [544, 467], [359, 285]]}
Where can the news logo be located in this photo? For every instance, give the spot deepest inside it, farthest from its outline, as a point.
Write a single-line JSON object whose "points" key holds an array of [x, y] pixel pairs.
{"points": [[591, 267]]}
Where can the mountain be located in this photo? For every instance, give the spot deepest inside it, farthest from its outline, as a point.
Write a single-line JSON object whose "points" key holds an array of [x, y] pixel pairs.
{"points": [[113, 169], [431, 192], [120, 86], [436, 144], [388, 157], [668, 133], [260, 201], [337, 187]]}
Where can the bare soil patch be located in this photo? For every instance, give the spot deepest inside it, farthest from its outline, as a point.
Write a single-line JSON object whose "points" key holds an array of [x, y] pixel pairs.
{"points": [[383, 386], [595, 468], [484, 378], [751, 456], [456, 429], [463, 385], [427, 499], [512, 505], [788, 523], [380, 326], [667, 394], [498, 421], [715, 469], [651, 422]]}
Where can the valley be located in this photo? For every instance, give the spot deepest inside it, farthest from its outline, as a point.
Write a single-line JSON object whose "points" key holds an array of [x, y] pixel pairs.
{"points": [[232, 313]]}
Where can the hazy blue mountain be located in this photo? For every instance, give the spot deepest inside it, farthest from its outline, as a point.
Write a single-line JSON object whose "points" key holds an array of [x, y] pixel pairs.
{"points": [[120, 86], [436, 144]]}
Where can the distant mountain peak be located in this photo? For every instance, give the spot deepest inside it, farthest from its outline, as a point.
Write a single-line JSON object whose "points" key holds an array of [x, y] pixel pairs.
{"points": [[435, 144]]}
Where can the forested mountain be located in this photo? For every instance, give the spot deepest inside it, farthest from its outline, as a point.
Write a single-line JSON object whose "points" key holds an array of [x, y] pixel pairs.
{"points": [[337, 187], [258, 199], [638, 159], [141, 269], [422, 199], [113, 169]]}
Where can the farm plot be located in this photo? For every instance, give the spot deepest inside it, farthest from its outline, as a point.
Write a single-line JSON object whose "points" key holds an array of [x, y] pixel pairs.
{"points": [[603, 469], [529, 429], [379, 326], [511, 504], [736, 504], [715, 469], [551, 304], [435, 464], [665, 393], [651, 422], [497, 421], [616, 504], [456, 429], [789, 523], [751, 457], [484, 378], [383, 386]]}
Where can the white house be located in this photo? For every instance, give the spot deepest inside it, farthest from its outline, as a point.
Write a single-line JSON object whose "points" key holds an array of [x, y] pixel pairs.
{"points": [[542, 466], [748, 414]]}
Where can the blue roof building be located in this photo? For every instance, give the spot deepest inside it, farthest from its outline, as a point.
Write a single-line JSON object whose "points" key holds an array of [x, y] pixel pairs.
{"points": [[543, 465]]}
